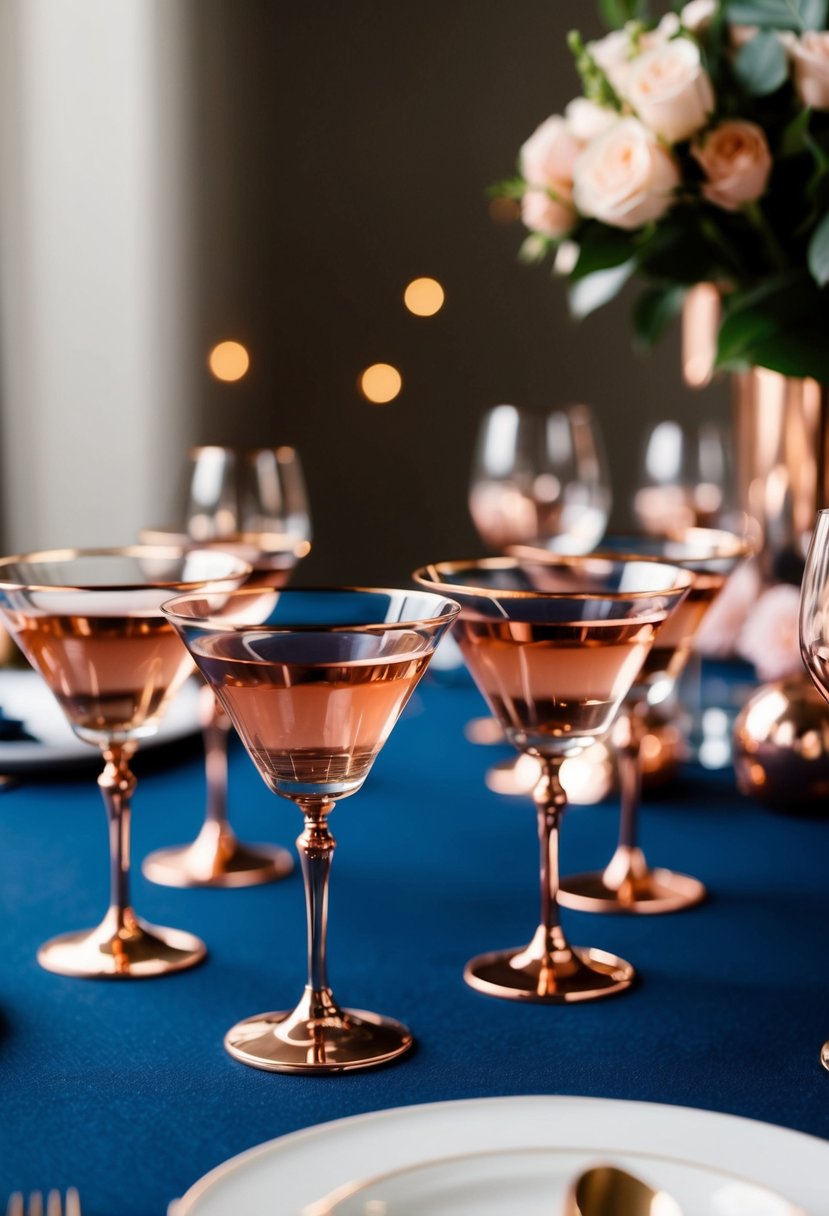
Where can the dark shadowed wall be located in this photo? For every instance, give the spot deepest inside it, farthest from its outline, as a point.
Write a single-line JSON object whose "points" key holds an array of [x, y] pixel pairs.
{"points": [[343, 147]]}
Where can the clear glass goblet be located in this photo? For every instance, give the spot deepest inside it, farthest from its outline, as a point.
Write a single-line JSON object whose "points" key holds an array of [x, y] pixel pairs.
{"points": [[314, 681], [814, 627], [554, 647], [628, 883], [217, 857], [253, 503], [90, 622]]}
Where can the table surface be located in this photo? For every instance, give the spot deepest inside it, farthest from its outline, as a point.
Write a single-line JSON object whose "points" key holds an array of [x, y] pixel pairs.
{"points": [[123, 1089]]}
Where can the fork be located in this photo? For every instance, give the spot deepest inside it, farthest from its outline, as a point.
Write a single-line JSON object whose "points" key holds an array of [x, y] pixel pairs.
{"points": [[55, 1206]]}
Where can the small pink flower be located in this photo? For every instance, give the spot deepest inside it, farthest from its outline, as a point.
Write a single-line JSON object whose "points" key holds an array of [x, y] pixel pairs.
{"points": [[553, 217], [770, 637], [737, 163]]}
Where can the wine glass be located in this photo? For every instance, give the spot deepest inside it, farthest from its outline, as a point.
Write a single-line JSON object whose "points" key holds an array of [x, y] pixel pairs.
{"points": [[627, 883], [314, 681], [554, 647], [685, 478], [814, 627], [537, 476], [540, 476], [90, 622], [255, 505]]}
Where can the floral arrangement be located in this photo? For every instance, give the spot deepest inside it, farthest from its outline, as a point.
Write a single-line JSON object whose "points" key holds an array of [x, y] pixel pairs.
{"points": [[698, 152]]}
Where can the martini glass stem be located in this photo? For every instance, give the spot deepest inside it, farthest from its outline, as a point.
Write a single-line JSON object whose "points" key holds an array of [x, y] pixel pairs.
{"points": [[117, 783], [627, 867], [316, 849], [215, 731], [550, 801]]}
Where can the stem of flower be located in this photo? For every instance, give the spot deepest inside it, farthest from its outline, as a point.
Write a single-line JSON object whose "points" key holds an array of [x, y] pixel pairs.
{"points": [[776, 252]]}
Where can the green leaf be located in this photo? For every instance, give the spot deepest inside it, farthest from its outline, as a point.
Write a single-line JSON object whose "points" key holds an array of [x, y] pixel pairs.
{"points": [[595, 290], [818, 256], [760, 65], [654, 311], [616, 12], [778, 14], [793, 139], [781, 325], [601, 248]]}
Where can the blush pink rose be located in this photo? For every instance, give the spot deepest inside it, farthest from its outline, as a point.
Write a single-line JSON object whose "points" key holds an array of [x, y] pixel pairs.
{"points": [[670, 90], [613, 54], [546, 161], [553, 217], [625, 178], [736, 160], [810, 57], [587, 119], [770, 637]]}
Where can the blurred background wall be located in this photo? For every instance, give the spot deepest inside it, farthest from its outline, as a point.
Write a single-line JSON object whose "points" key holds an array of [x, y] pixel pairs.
{"points": [[175, 173]]}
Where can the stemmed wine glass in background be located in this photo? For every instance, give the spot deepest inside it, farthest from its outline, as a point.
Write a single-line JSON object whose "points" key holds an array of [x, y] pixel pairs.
{"points": [[90, 622], [314, 681], [537, 476], [685, 479], [628, 884], [814, 627], [554, 647], [253, 504]]}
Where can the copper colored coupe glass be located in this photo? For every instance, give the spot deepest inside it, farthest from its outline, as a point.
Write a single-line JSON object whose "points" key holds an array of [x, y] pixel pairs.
{"points": [[814, 627], [554, 647], [217, 857], [314, 681], [627, 883], [90, 622]]}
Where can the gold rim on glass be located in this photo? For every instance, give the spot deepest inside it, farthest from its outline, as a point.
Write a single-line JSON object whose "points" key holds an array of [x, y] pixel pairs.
{"points": [[188, 586]]}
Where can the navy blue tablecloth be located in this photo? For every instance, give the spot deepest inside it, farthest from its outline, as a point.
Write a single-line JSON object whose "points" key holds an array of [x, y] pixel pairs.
{"points": [[123, 1089]]}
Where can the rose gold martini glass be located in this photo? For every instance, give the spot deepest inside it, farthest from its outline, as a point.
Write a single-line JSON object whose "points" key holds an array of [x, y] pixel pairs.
{"points": [[314, 681], [217, 858], [554, 648], [90, 622], [628, 883]]}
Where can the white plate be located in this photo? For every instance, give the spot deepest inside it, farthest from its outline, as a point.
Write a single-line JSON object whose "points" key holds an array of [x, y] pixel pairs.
{"points": [[536, 1182], [24, 695], [288, 1174]]}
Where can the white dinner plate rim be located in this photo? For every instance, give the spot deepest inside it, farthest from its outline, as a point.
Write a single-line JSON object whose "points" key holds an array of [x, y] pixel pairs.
{"points": [[716, 1121], [19, 757]]}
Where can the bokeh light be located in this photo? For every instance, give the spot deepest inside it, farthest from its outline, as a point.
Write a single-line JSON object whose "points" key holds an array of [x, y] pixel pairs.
{"points": [[228, 360], [381, 383], [424, 297]]}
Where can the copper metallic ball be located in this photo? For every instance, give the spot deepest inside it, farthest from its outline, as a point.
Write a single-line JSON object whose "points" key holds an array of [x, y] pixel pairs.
{"points": [[781, 746]]}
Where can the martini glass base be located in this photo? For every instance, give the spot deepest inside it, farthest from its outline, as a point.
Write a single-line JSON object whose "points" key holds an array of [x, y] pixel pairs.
{"points": [[581, 974], [138, 951], [348, 1040], [824, 1056], [217, 861], [654, 891]]}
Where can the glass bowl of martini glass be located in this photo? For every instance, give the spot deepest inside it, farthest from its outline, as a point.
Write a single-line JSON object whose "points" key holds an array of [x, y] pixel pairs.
{"points": [[90, 622], [314, 681], [554, 647], [217, 857], [628, 883]]}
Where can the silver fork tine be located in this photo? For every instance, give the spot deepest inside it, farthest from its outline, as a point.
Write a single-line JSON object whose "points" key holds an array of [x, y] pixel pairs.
{"points": [[73, 1202], [35, 1204], [54, 1204], [14, 1207]]}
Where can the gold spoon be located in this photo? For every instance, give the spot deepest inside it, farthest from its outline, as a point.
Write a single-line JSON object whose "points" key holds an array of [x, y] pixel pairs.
{"points": [[606, 1190]]}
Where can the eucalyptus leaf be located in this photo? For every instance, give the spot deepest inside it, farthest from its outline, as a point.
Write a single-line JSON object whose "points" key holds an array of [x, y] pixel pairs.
{"points": [[818, 256], [761, 65], [596, 290], [796, 15]]}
